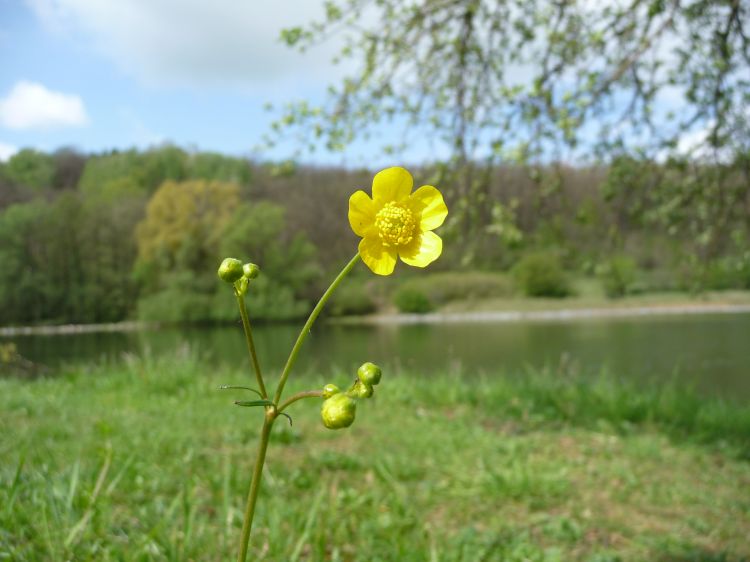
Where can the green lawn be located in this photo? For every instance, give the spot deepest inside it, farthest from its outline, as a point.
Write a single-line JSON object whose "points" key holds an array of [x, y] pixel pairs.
{"points": [[146, 460], [470, 291], [594, 300]]}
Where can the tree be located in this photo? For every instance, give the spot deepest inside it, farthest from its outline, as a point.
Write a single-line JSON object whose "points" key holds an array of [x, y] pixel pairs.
{"points": [[30, 168], [184, 222], [69, 165], [535, 81]]}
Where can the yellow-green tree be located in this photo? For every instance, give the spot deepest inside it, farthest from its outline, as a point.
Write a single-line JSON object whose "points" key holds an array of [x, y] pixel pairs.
{"points": [[178, 241], [184, 222]]}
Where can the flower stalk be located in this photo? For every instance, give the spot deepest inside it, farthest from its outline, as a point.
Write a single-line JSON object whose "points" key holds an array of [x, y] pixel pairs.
{"points": [[308, 326], [252, 496], [250, 343]]}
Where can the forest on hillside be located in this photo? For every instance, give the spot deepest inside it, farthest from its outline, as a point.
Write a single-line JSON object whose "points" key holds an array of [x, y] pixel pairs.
{"points": [[138, 234]]}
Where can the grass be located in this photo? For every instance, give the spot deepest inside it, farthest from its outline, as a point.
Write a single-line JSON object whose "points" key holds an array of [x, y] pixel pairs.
{"points": [[145, 460], [471, 291], [578, 301]]}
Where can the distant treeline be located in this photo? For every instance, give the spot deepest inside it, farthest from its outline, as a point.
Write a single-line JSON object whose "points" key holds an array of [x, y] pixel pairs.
{"points": [[139, 234]]}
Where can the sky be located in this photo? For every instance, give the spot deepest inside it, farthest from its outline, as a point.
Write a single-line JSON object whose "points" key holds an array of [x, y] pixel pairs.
{"points": [[100, 74]]}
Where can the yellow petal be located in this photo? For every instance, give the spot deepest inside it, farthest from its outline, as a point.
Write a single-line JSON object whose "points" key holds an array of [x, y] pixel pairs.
{"points": [[428, 201], [391, 184], [424, 250], [361, 212], [379, 259]]}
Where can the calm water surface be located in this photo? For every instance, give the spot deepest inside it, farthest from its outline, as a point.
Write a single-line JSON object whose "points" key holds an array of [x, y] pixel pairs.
{"points": [[711, 352]]}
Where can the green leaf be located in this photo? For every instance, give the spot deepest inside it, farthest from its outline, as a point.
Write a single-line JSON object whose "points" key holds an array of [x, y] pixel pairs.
{"points": [[252, 403], [230, 387]]}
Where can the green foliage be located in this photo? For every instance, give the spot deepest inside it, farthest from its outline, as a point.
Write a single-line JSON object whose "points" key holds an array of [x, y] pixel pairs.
{"points": [[618, 275], [445, 287], [184, 224], [730, 272], [147, 170], [595, 75], [288, 264], [175, 304], [259, 231], [410, 299], [72, 255], [188, 225], [66, 260], [352, 298], [31, 168], [541, 275], [212, 166]]}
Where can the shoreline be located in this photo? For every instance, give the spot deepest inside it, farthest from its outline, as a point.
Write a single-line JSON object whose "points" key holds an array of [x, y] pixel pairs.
{"points": [[549, 314], [66, 329], [488, 316]]}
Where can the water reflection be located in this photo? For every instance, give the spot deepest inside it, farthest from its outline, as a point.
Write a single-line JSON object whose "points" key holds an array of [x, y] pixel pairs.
{"points": [[711, 351]]}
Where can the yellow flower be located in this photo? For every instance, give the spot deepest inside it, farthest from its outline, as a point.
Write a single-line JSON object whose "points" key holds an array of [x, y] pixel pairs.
{"points": [[396, 222]]}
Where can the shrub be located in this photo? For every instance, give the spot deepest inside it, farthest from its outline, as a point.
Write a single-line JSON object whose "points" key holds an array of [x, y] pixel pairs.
{"points": [[618, 275], [541, 275], [268, 300], [352, 299], [175, 306], [409, 299], [442, 288], [727, 273]]}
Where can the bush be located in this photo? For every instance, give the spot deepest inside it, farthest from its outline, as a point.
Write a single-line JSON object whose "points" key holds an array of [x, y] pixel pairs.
{"points": [[618, 275], [352, 299], [175, 306], [727, 273], [180, 303], [541, 275], [442, 288], [409, 299]]}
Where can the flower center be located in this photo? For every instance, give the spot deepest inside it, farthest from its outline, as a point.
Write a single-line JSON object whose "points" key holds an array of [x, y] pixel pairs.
{"points": [[395, 225]]}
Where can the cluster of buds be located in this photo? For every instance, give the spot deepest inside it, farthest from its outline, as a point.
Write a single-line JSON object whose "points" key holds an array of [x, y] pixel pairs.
{"points": [[234, 271], [340, 408]]}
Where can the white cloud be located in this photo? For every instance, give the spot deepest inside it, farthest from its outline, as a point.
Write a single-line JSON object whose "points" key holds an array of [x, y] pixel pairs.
{"points": [[193, 42], [30, 105], [6, 151]]}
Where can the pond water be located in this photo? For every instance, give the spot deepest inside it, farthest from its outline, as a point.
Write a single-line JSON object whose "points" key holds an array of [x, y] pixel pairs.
{"points": [[709, 351]]}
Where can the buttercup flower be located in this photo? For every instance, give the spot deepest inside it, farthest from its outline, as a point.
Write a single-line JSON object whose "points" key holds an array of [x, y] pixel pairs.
{"points": [[396, 222]]}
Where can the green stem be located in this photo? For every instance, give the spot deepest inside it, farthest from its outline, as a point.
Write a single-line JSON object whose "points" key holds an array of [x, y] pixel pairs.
{"points": [[299, 396], [308, 326], [251, 343], [252, 496]]}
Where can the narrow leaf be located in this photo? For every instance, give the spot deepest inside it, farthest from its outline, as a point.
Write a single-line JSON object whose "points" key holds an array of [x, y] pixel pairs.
{"points": [[251, 403], [231, 387]]}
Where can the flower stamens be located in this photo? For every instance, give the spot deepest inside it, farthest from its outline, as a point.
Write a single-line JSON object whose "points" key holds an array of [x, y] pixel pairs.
{"points": [[395, 224]]}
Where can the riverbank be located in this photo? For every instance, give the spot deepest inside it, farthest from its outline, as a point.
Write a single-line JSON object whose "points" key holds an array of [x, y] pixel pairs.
{"points": [[551, 314], [487, 310], [145, 459]]}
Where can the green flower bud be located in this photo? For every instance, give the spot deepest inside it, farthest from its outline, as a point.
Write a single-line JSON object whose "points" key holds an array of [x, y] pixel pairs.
{"points": [[250, 270], [369, 373], [338, 411], [230, 270], [329, 390], [361, 390]]}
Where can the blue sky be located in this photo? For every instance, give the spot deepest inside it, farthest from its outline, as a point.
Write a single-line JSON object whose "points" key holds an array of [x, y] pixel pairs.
{"points": [[97, 75]]}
